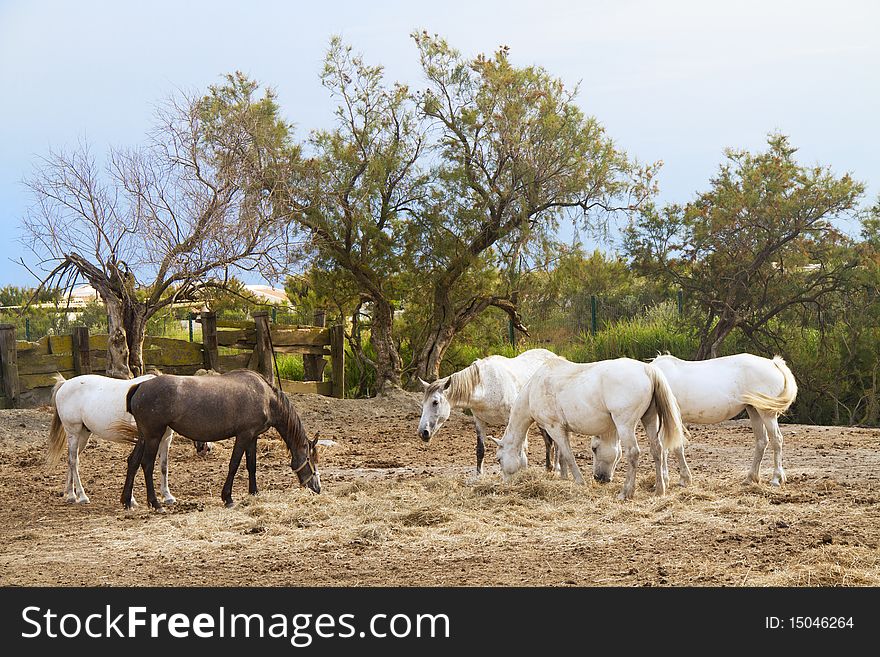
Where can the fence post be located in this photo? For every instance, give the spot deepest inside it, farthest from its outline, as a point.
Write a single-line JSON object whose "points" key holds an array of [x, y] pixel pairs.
{"points": [[27, 329], [82, 356], [313, 365], [9, 364], [680, 297], [594, 323], [262, 359], [337, 356], [210, 353], [190, 317]]}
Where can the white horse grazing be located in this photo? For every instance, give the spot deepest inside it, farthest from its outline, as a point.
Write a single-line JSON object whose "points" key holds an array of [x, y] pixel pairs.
{"points": [[488, 387], [605, 399], [89, 405], [711, 391]]}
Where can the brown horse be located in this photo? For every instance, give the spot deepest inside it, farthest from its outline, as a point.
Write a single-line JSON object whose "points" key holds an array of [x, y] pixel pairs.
{"points": [[240, 403]]}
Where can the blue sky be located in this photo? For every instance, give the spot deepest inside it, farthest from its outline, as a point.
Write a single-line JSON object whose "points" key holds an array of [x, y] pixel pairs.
{"points": [[676, 81]]}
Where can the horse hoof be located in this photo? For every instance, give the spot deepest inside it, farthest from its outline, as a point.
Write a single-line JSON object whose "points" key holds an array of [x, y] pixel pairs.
{"points": [[229, 504], [83, 500], [169, 500]]}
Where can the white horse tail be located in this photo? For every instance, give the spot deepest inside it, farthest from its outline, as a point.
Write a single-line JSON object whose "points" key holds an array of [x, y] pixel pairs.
{"points": [[781, 402], [125, 431], [672, 429], [57, 436]]}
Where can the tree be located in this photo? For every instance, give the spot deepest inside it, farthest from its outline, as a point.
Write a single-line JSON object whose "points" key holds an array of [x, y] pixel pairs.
{"points": [[159, 224], [515, 154], [360, 188], [761, 242]]}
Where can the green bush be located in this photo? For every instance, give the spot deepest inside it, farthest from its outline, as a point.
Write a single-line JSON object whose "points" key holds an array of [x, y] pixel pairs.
{"points": [[660, 330]]}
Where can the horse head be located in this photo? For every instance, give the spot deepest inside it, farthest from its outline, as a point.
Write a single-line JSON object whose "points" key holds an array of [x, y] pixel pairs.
{"points": [[606, 456], [435, 407], [304, 463], [511, 459]]}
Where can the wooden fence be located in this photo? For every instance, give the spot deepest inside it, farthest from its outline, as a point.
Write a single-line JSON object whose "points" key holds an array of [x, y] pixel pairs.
{"points": [[29, 370]]}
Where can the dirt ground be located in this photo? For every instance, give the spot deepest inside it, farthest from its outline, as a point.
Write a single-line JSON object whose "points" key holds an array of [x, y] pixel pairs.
{"points": [[395, 511]]}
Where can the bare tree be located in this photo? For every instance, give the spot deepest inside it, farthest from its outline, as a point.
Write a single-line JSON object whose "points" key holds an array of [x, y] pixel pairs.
{"points": [[157, 225]]}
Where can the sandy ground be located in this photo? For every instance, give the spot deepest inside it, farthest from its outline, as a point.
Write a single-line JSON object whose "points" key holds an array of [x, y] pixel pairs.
{"points": [[394, 511]]}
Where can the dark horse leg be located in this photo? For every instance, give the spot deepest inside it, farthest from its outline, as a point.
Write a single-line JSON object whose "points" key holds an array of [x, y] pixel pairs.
{"points": [[148, 463], [241, 442], [250, 454], [548, 448], [481, 445], [134, 460]]}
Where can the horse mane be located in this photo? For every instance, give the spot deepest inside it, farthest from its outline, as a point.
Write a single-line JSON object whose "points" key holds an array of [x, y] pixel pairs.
{"points": [[459, 386], [294, 434]]}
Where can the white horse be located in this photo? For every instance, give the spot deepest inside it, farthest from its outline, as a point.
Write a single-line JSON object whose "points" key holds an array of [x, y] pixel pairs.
{"points": [[89, 405], [605, 399], [711, 391], [488, 387]]}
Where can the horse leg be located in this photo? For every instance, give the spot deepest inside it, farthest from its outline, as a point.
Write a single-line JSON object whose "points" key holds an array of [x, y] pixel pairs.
{"points": [[627, 436], [684, 472], [760, 430], [148, 463], [551, 457], [650, 421], [481, 445], [250, 454], [76, 443], [72, 458], [771, 423], [134, 460], [164, 445], [563, 450], [234, 462]]}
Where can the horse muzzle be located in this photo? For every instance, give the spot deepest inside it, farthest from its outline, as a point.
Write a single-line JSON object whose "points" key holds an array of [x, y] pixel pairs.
{"points": [[602, 478], [425, 435]]}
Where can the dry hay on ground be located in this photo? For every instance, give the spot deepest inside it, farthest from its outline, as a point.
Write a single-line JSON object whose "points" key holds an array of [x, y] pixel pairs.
{"points": [[397, 512]]}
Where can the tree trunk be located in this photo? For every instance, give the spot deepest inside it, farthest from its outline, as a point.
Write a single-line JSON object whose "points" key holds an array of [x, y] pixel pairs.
{"points": [[135, 330], [433, 351], [117, 340], [388, 362], [710, 343]]}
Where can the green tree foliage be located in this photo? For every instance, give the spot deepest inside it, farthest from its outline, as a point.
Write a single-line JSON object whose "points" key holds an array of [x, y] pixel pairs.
{"points": [[759, 244], [361, 186], [515, 155]]}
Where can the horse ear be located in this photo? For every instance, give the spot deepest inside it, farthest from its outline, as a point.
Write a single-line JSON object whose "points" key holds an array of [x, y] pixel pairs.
{"points": [[424, 383], [495, 440], [447, 384]]}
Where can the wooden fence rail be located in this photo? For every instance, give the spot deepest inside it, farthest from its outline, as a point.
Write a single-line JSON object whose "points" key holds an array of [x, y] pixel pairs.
{"points": [[29, 370]]}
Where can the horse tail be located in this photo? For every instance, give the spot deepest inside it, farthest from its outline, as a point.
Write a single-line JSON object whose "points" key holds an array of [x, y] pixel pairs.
{"points": [[781, 402], [57, 435], [129, 395], [124, 431], [672, 429]]}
